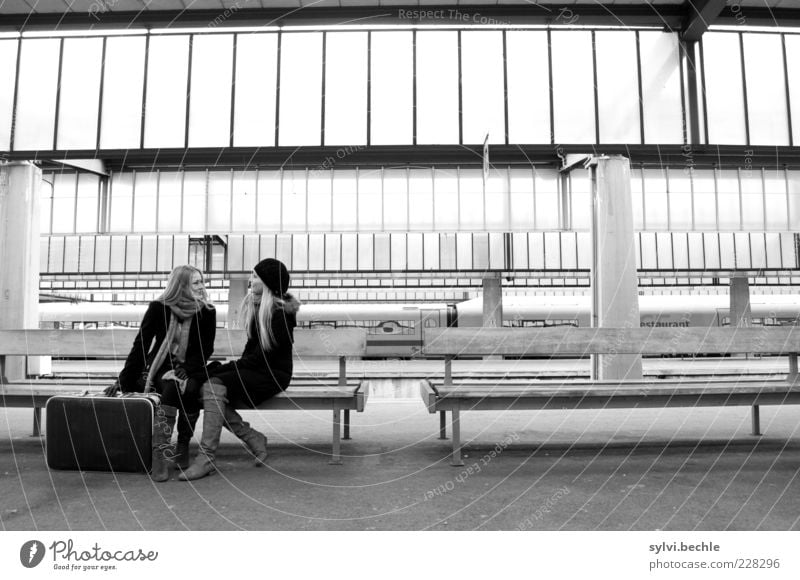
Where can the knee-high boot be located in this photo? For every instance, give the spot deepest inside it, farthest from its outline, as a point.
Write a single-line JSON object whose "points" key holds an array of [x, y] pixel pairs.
{"points": [[163, 423], [186, 423], [256, 441], [214, 402]]}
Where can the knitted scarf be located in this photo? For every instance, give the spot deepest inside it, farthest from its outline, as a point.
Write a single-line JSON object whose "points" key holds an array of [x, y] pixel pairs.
{"points": [[177, 335]]}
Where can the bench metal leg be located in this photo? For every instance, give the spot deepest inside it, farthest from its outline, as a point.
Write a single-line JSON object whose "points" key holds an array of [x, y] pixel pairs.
{"points": [[442, 425], [336, 456], [456, 459], [346, 424], [756, 420], [37, 422]]}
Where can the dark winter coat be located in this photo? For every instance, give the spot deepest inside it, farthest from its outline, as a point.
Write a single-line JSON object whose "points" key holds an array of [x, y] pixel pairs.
{"points": [[151, 334], [258, 374]]}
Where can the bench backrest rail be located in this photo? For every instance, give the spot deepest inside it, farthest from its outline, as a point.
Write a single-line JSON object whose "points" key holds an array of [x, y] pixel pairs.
{"points": [[116, 343]]}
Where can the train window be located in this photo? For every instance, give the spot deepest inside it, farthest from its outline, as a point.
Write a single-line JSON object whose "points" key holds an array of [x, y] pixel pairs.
{"points": [[430, 323]]}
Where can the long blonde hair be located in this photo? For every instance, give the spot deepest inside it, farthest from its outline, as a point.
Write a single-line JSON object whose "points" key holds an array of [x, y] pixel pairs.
{"points": [[257, 317], [179, 288]]}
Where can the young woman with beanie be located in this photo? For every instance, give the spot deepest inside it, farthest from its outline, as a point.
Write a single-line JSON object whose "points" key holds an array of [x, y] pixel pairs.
{"points": [[176, 340], [264, 369]]}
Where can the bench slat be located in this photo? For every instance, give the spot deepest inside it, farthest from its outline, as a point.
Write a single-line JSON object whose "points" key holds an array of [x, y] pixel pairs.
{"points": [[584, 341], [116, 343]]}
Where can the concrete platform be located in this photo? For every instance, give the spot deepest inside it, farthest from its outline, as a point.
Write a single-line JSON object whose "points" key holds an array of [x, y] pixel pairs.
{"points": [[674, 469]]}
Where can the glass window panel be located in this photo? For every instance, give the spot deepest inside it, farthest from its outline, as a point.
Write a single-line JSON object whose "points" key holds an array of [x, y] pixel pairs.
{"points": [[447, 251], [283, 249], [366, 252], [180, 250], [55, 258], [789, 252], [64, 185], [656, 210], [521, 199], [519, 252], [738, 252], [123, 86], [445, 199], [664, 251], [696, 251], [573, 87], [420, 199], [528, 87], [235, 253], [580, 181], [210, 97], [793, 70], [398, 249], [320, 208], [293, 194], [46, 203], [617, 87], [102, 254], [414, 252], [464, 251], [219, 201], [370, 200], [256, 85], [250, 252], [133, 254], [482, 87], [167, 69], [301, 88], [637, 199], [86, 211], [71, 253], [345, 200], [546, 199], [437, 87], [149, 253], [430, 249], [36, 94], [269, 201], [333, 252], [775, 192], [346, 88], [80, 93], [480, 251], [661, 87], [711, 252], [584, 250], [244, 201], [145, 195], [766, 87], [773, 250], [752, 200], [382, 251], [165, 245], [8, 74], [392, 88], [722, 69], [300, 252], [552, 251], [349, 252], [472, 206], [680, 200], [121, 200], [648, 251], [169, 201], [395, 200], [728, 199], [497, 201], [758, 250], [680, 251], [316, 252], [536, 251], [194, 201]]}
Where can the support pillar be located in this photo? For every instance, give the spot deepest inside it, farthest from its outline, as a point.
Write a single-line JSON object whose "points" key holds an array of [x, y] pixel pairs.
{"points": [[492, 306], [740, 302], [237, 290], [615, 297], [19, 253]]}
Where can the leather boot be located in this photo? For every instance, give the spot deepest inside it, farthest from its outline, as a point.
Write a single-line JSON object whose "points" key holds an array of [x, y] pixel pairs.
{"points": [[214, 402], [186, 423], [256, 441], [163, 423]]}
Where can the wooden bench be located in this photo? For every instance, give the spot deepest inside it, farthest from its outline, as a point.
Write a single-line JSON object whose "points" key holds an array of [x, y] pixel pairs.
{"points": [[336, 394], [474, 394]]}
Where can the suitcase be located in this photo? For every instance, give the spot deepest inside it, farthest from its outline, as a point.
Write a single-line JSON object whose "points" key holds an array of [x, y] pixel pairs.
{"points": [[98, 433]]}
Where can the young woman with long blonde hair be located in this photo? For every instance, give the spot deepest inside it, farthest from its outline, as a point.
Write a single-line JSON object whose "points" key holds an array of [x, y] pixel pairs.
{"points": [[264, 369]]}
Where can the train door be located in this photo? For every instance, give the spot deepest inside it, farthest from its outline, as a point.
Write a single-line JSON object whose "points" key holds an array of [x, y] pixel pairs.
{"points": [[429, 318]]}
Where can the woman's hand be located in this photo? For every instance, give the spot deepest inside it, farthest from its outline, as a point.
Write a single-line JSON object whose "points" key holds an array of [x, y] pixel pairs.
{"points": [[180, 373], [112, 390]]}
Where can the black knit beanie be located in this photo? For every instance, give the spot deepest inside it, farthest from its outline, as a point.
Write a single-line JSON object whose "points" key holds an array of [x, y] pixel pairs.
{"points": [[274, 275]]}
